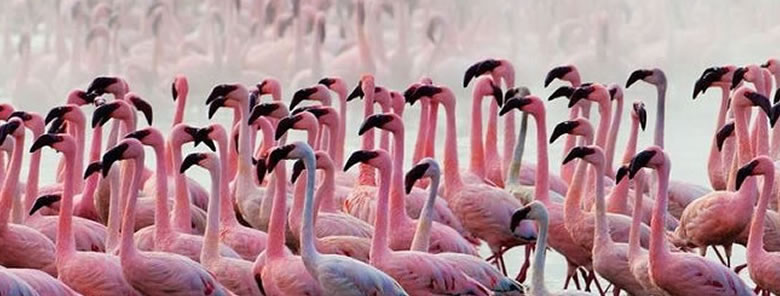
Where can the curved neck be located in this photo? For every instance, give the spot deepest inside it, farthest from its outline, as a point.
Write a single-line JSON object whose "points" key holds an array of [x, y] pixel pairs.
{"points": [[537, 274], [613, 133], [127, 248], [422, 236], [397, 196], [181, 102], [659, 119], [433, 117], [367, 175], [542, 184], [11, 181], [601, 232], [658, 247], [97, 139], [33, 177], [517, 155], [452, 180], [161, 220], [491, 134], [571, 207], [226, 215], [755, 245], [115, 203], [743, 146], [333, 138], [181, 202], [634, 245], [308, 249], [567, 169], [477, 163], [276, 225], [211, 236], [379, 242], [78, 167], [65, 244]]}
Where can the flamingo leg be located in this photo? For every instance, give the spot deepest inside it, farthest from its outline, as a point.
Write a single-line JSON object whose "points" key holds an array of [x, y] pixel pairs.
{"points": [[586, 277], [757, 290], [577, 281], [719, 256], [739, 268], [616, 292], [598, 285], [727, 249], [571, 272], [521, 276]]}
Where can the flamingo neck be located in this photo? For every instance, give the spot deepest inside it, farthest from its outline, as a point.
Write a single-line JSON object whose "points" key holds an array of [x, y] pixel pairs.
{"points": [[601, 235], [162, 223], [367, 176], [88, 195], [477, 163], [634, 246], [31, 189], [308, 250], [715, 161], [567, 169], [659, 120], [744, 150], [115, 205], [97, 140], [296, 212], [384, 136], [79, 157], [433, 117], [422, 131], [181, 102], [276, 225], [537, 272], [9, 184], [618, 199], [452, 179], [181, 202], [338, 155], [226, 215], [379, 242], [333, 139], [517, 155], [601, 140], [65, 244], [127, 249], [325, 192], [755, 245], [422, 236], [658, 249], [612, 138], [397, 196], [572, 210], [509, 135], [210, 250]]}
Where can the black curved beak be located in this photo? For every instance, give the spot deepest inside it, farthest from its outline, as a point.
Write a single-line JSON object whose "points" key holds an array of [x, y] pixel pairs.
{"points": [[409, 92], [642, 114], [278, 154], [55, 113], [219, 91], [139, 134], [92, 168], [579, 94], [103, 113], [562, 129], [556, 73], [416, 173], [423, 91], [7, 129], [260, 168], [471, 72], [263, 109], [739, 75], [285, 124], [724, 133], [301, 95], [44, 140], [327, 82], [215, 105], [359, 156], [111, 156], [58, 126], [190, 160], [497, 94], [144, 107], [357, 92], [24, 116], [775, 114], [760, 101], [639, 161], [563, 91], [745, 171], [174, 91], [612, 93], [298, 168], [637, 75], [98, 85], [621, 172], [44, 201], [202, 136], [518, 216], [577, 152], [516, 103], [520, 91], [374, 121]]}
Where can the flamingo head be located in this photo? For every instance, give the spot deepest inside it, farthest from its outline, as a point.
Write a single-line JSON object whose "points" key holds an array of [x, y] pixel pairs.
{"points": [[80, 97], [303, 120], [652, 157], [387, 121], [565, 72], [535, 211], [423, 91], [653, 76], [141, 105], [325, 114], [13, 127], [427, 167], [323, 161], [296, 150], [594, 92], [207, 160], [60, 142], [6, 110], [531, 104], [31, 120], [714, 76], [773, 65], [639, 113], [208, 134], [615, 92], [726, 131], [148, 136], [579, 126], [180, 87], [335, 84], [492, 66], [129, 148], [317, 92], [46, 200], [106, 84], [760, 165], [591, 153], [485, 86], [374, 158], [277, 110], [68, 112], [745, 97], [117, 109]]}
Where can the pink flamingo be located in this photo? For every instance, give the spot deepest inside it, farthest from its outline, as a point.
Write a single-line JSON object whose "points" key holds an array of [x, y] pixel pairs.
{"points": [[153, 273], [235, 274], [347, 245], [40, 282], [445, 238], [682, 193], [477, 171], [418, 273], [20, 246], [537, 211], [11, 284], [337, 85], [483, 209], [164, 235], [277, 271], [571, 74], [702, 223], [335, 274], [680, 273], [559, 237], [760, 262], [247, 242], [91, 273], [472, 266], [610, 259], [616, 96], [598, 94]]}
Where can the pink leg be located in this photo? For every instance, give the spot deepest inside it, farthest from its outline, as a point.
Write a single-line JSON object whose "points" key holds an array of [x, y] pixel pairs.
{"points": [[616, 292], [521, 276]]}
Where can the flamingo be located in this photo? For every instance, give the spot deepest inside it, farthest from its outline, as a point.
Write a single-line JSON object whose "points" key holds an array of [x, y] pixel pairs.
{"points": [[481, 208], [92, 273], [335, 274], [701, 223], [682, 193], [680, 273], [472, 266], [337, 85], [536, 211], [571, 74], [327, 242], [235, 274], [610, 259], [445, 238], [153, 273], [276, 270], [11, 284], [418, 273], [40, 282], [163, 234], [20, 245], [320, 93], [247, 242], [760, 262], [477, 170]]}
